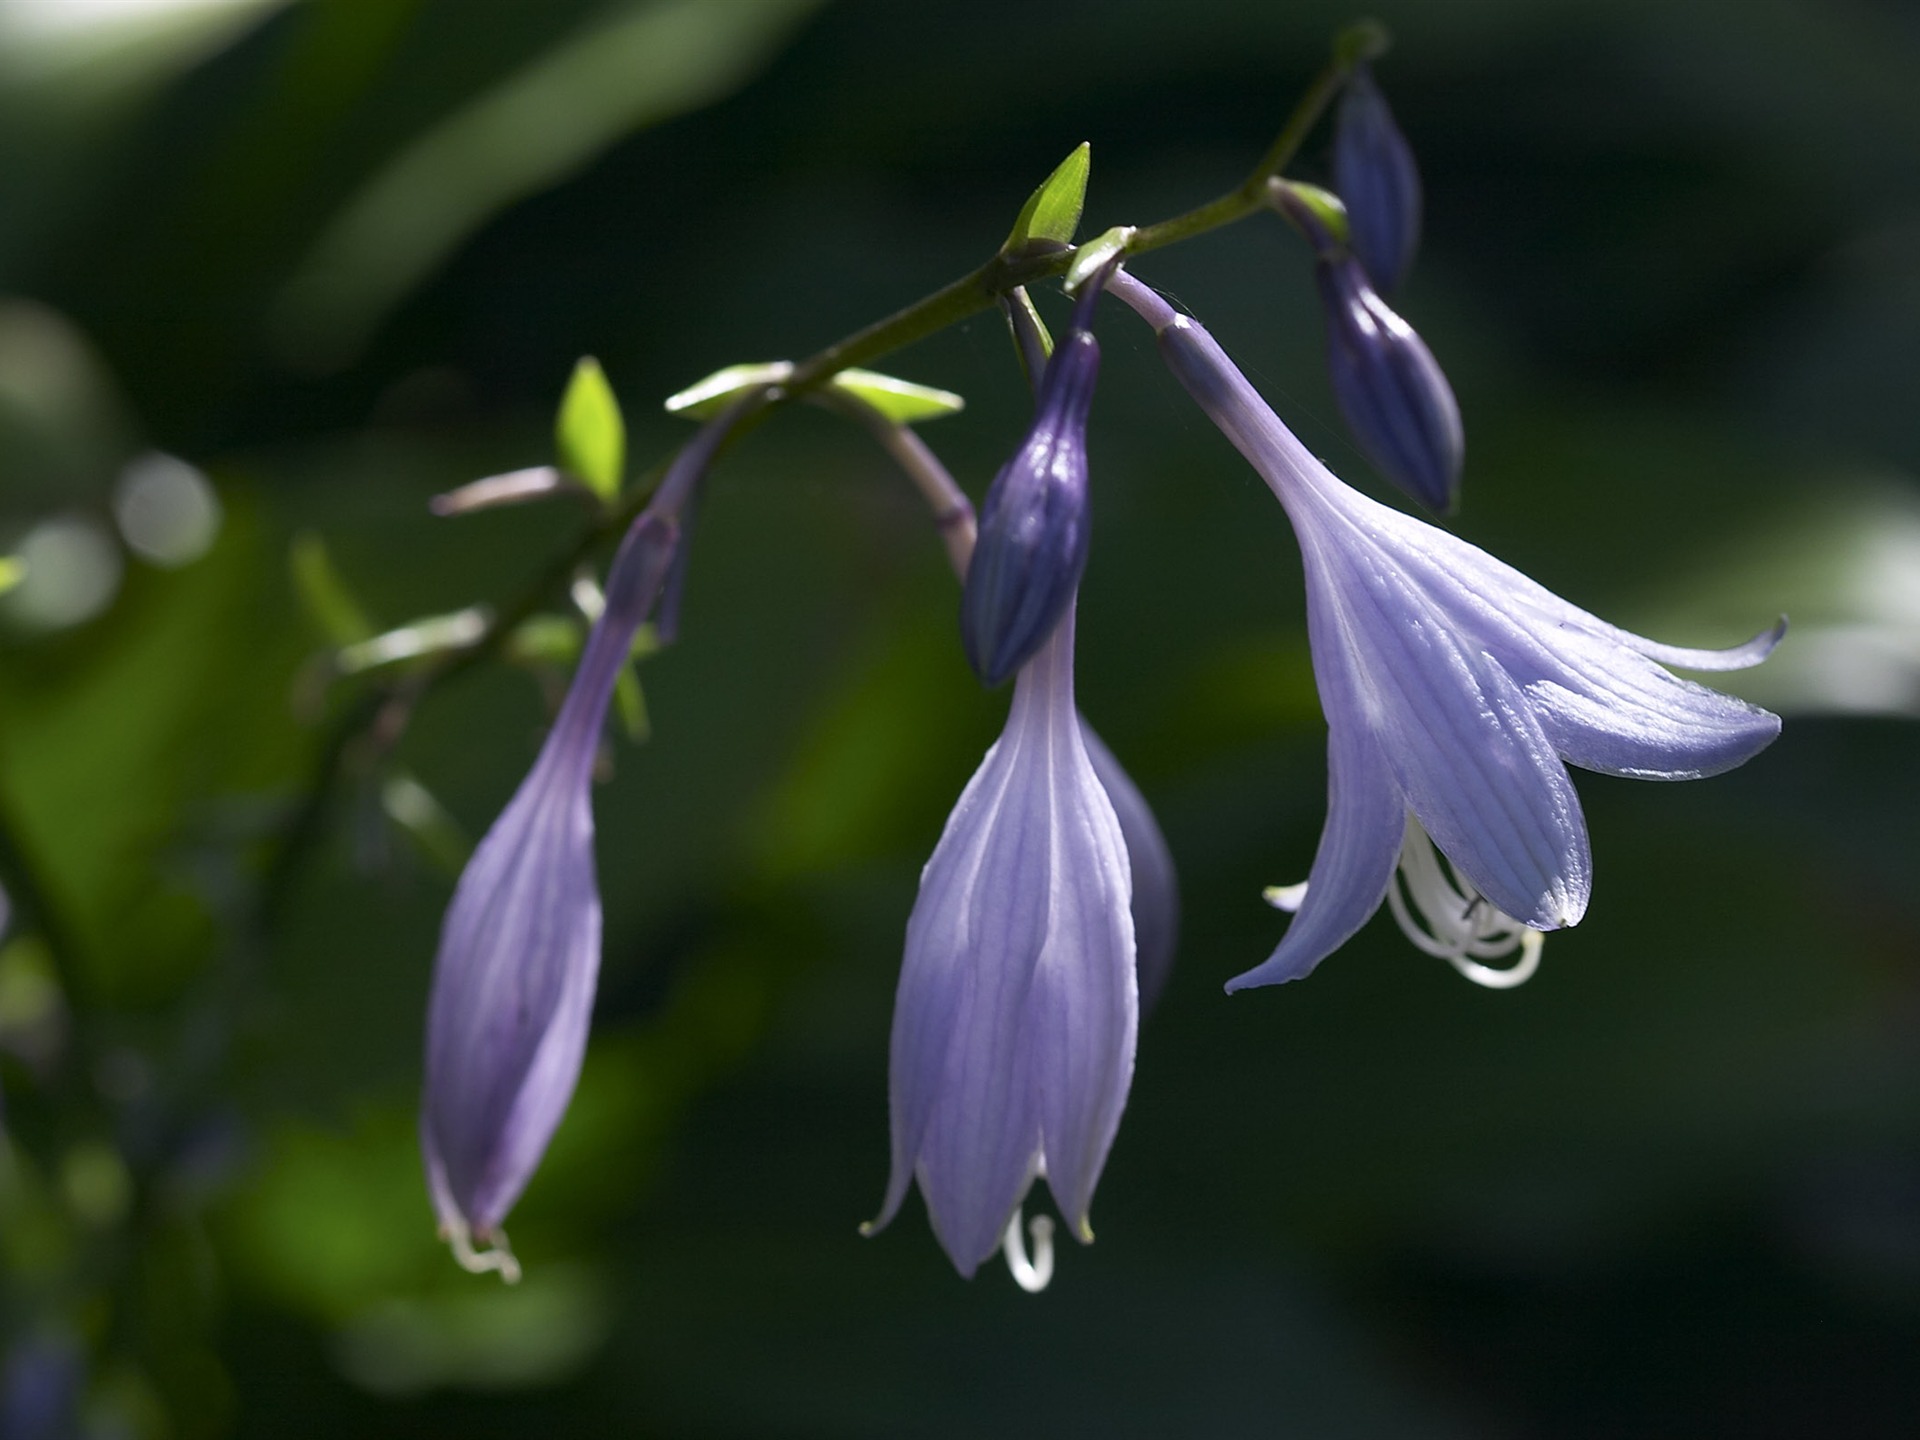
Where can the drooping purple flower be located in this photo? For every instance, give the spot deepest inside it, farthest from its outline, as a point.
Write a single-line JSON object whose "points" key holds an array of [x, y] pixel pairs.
{"points": [[1032, 544], [1457, 691], [519, 953], [1018, 1006], [1375, 175], [514, 977]]}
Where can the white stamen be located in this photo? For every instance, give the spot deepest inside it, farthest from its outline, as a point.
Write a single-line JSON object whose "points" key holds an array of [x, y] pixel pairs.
{"points": [[1030, 1275], [497, 1257], [1286, 897], [1442, 913]]}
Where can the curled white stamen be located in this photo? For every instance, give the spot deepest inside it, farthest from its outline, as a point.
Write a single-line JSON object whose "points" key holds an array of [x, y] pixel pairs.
{"points": [[1030, 1275], [1442, 913], [496, 1257], [1286, 897]]}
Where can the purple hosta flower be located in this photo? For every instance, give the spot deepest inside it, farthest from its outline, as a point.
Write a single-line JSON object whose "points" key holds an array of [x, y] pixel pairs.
{"points": [[1456, 692], [520, 949], [1032, 545], [519, 953], [1018, 1006], [1375, 175]]}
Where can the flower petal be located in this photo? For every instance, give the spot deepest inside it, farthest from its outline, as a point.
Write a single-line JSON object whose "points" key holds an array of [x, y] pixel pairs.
{"points": [[1366, 817], [1469, 754], [1156, 885], [1017, 1010]]}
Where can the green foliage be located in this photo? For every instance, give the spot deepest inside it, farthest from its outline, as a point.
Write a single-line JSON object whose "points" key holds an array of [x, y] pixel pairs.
{"points": [[323, 592], [589, 435], [1052, 213], [901, 401], [706, 398]]}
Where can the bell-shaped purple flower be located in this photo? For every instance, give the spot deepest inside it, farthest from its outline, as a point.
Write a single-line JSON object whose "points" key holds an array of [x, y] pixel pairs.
{"points": [[1375, 175], [1018, 1006], [1391, 391], [1457, 691], [513, 981], [1034, 529]]}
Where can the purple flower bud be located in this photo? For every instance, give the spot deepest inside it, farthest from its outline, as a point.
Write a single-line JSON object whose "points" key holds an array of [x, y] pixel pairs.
{"points": [[1033, 537], [1374, 173], [519, 953], [1390, 389]]}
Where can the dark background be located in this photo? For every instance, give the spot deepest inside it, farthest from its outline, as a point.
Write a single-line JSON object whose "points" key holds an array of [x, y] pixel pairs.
{"points": [[1671, 1187]]}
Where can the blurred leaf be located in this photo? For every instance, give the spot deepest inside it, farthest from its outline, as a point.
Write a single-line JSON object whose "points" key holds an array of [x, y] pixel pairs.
{"points": [[631, 702], [704, 399], [201, 656], [555, 639], [590, 438], [433, 635], [324, 594], [412, 807], [336, 1220], [491, 1338], [1842, 562], [11, 572], [901, 401], [641, 65], [1052, 213]]}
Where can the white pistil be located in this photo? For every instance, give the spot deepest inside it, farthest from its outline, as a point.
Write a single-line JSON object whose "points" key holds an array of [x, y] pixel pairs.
{"points": [[1030, 1275], [496, 1257], [1442, 913]]}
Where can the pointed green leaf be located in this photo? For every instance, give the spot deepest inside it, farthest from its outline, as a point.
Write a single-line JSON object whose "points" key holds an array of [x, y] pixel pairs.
{"points": [[1096, 253], [901, 401], [631, 702], [328, 602], [1360, 42], [416, 810], [546, 638], [1052, 213], [589, 437], [704, 399], [1019, 297]]}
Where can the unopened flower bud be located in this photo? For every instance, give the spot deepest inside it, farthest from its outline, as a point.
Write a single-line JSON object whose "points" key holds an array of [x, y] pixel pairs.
{"points": [[1033, 538], [1390, 389], [1374, 171]]}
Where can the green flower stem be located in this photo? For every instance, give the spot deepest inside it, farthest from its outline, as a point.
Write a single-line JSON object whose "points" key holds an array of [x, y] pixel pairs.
{"points": [[1251, 194], [956, 301]]}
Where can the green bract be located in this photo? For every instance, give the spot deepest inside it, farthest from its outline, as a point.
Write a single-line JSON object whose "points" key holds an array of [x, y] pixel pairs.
{"points": [[589, 437], [1093, 255], [1052, 213], [901, 401], [706, 398]]}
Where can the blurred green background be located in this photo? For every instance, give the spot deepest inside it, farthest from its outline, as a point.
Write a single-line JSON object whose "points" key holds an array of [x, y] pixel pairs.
{"points": [[336, 256]]}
